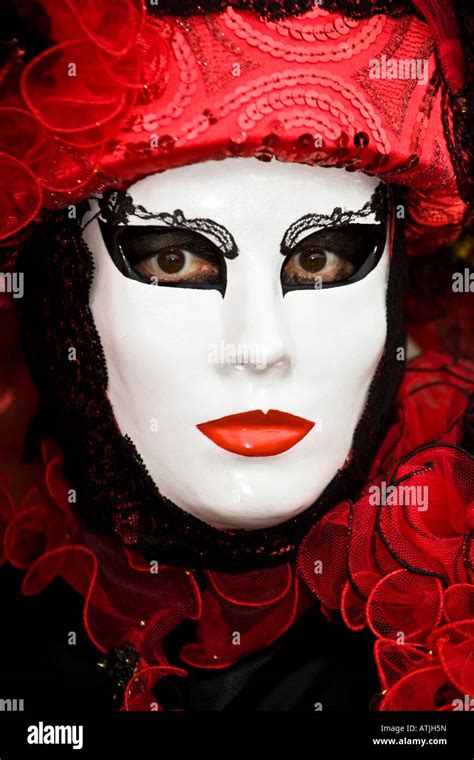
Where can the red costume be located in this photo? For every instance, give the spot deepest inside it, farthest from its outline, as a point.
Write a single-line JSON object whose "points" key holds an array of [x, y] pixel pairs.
{"points": [[146, 92]]}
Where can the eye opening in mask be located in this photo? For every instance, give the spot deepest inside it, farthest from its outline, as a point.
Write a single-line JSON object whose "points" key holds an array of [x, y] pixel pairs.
{"points": [[333, 257], [155, 255]]}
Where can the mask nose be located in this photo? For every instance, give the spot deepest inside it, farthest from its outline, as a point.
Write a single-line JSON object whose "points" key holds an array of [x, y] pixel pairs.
{"points": [[255, 334]]}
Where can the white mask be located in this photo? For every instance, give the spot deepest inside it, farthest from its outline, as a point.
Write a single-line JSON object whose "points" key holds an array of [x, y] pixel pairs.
{"points": [[178, 357]]}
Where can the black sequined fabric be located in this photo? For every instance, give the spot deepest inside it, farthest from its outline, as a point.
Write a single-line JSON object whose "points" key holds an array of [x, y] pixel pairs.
{"points": [[275, 10], [463, 108]]}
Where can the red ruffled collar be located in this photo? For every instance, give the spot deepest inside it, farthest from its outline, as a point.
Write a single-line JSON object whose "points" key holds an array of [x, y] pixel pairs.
{"points": [[399, 560]]}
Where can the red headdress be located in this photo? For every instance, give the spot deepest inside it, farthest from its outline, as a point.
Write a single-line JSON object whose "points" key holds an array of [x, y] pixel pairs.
{"points": [[122, 92]]}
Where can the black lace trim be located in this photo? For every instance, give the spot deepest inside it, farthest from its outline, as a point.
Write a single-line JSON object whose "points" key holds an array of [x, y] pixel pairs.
{"points": [[117, 206], [377, 205]]}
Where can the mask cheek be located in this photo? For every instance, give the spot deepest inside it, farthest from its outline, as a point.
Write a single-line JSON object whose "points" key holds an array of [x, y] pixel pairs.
{"points": [[154, 340], [339, 336], [126, 314]]}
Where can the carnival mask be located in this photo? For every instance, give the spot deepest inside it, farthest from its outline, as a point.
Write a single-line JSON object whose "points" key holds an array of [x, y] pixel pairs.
{"points": [[241, 308]]}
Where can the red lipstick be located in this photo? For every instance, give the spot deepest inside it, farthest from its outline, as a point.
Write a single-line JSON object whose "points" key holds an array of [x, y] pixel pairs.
{"points": [[255, 434]]}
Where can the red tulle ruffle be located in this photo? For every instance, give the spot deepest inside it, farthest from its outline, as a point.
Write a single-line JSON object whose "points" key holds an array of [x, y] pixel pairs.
{"points": [[400, 559]]}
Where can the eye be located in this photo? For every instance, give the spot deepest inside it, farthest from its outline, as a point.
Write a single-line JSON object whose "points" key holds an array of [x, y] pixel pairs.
{"points": [[178, 264], [166, 256], [326, 265], [333, 256]]}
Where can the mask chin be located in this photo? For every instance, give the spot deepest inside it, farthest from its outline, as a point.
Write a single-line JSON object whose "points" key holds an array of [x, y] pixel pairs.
{"points": [[115, 491]]}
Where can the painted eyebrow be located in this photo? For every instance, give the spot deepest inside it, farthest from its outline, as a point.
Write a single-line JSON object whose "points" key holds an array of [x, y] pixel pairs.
{"points": [[377, 205], [117, 207]]}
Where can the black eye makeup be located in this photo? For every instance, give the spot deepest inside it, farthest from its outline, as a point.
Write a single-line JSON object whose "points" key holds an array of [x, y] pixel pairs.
{"points": [[333, 256], [187, 253], [172, 257], [340, 251], [320, 250]]}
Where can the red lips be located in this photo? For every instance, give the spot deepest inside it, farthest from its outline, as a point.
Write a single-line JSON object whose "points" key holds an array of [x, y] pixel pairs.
{"points": [[255, 434]]}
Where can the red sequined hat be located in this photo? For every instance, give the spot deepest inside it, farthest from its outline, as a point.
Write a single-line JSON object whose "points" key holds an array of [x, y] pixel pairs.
{"points": [[122, 93]]}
